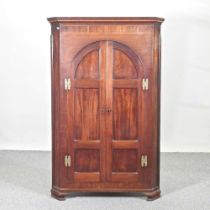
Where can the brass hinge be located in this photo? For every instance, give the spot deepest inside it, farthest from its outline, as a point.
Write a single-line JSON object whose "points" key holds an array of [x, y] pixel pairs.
{"points": [[145, 83], [67, 83], [67, 161], [144, 161]]}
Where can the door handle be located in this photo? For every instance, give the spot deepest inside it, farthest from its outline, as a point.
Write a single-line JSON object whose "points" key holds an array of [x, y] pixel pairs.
{"points": [[108, 110]]}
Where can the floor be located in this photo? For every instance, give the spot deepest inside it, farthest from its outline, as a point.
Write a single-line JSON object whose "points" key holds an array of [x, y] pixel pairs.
{"points": [[25, 182]]}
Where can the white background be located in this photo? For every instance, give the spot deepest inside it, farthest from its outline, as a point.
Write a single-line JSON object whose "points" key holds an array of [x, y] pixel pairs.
{"points": [[25, 68]]}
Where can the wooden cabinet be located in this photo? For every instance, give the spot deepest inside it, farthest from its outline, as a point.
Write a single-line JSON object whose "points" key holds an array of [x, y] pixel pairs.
{"points": [[105, 105]]}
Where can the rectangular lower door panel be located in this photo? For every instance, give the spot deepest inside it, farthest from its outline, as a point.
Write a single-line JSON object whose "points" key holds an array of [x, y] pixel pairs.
{"points": [[124, 160], [87, 160]]}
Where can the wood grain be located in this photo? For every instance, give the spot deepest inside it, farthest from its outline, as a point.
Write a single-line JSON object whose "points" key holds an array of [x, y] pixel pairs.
{"points": [[125, 108], [124, 160], [123, 66], [87, 160], [86, 116], [88, 66]]}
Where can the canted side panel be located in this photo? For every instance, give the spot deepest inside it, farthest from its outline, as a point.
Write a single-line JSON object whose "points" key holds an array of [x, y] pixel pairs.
{"points": [[56, 100], [125, 108], [86, 115]]}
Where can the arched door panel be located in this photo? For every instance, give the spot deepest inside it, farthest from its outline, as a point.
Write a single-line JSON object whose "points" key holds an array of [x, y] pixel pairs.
{"points": [[88, 122], [124, 100]]}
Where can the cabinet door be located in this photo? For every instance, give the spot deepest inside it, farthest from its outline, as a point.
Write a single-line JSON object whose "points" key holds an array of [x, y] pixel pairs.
{"points": [[86, 104], [125, 119], [106, 117]]}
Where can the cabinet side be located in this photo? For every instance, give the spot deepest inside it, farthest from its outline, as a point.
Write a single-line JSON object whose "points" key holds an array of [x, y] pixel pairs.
{"points": [[157, 71], [55, 98]]}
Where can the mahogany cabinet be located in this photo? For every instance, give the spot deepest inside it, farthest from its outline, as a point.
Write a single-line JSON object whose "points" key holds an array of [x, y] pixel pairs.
{"points": [[105, 105]]}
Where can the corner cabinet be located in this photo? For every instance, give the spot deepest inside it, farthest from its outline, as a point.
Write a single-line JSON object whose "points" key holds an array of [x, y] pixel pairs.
{"points": [[105, 105]]}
